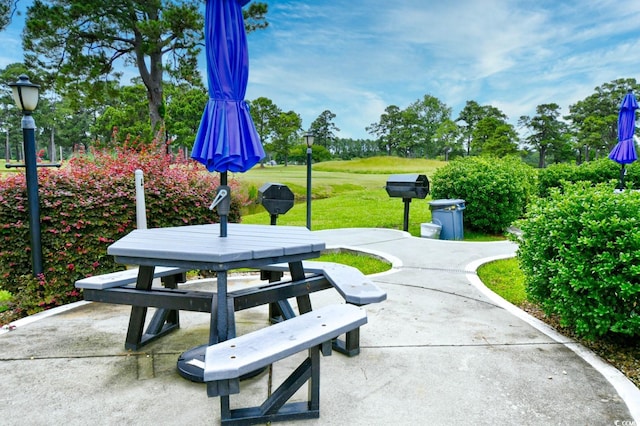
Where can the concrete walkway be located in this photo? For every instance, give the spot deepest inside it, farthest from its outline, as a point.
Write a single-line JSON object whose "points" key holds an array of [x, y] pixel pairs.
{"points": [[441, 350]]}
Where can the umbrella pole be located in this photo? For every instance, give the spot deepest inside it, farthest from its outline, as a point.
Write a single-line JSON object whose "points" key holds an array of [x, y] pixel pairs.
{"points": [[223, 217], [622, 173]]}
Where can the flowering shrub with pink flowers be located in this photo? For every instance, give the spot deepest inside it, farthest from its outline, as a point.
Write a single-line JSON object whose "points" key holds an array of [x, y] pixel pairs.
{"points": [[88, 204]]}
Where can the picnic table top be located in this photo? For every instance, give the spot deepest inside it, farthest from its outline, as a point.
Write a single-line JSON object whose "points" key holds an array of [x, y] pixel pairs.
{"points": [[202, 244]]}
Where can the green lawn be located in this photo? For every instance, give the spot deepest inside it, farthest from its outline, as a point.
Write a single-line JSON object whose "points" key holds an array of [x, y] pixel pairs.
{"points": [[3, 169], [347, 194], [504, 278], [365, 263]]}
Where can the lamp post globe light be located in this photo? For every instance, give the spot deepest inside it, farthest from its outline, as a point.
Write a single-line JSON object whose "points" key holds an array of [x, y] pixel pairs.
{"points": [[308, 138], [26, 95]]}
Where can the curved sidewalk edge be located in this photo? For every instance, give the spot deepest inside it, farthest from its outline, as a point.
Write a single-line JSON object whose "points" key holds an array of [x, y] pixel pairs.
{"points": [[41, 315], [629, 393]]}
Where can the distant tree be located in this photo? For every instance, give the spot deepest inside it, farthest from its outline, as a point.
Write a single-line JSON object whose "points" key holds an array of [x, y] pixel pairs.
{"points": [[255, 16], [264, 114], [62, 125], [412, 131], [388, 129], [324, 129], [447, 139], [124, 118], [566, 150], [347, 148], [422, 120], [185, 104], [286, 134], [592, 134], [471, 115], [7, 9], [298, 153], [495, 137], [546, 130], [596, 116]]}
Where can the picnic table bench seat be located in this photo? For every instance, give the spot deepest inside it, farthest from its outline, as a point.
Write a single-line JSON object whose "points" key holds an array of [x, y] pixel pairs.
{"points": [[122, 278], [227, 361], [355, 287]]}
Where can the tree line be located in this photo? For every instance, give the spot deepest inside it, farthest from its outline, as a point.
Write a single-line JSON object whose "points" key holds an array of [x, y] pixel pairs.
{"points": [[76, 51]]}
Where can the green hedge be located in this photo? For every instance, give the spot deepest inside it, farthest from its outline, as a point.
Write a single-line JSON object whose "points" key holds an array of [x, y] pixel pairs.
{"points": [[87, 205], [496, 190], [580, 254], [598, 171]]}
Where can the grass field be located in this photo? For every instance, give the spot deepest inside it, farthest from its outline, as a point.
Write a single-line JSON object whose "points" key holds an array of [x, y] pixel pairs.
{"points": [[3, 169], [345, 193]]}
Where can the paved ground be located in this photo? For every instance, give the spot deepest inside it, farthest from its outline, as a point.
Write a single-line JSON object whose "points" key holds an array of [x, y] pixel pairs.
{"points": [[441, 350]]}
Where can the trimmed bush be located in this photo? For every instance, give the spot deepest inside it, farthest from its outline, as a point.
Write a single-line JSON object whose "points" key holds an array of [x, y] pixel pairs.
{"points": [[496, 190], [554, 175], [598, 171], [580, 254], [87, 205]]}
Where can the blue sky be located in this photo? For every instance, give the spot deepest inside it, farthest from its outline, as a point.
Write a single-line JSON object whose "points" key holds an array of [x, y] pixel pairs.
{"points": [[356, 58]]}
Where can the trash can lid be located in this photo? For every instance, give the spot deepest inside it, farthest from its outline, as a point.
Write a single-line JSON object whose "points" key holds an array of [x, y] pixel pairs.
{"points": [[446, 202]]}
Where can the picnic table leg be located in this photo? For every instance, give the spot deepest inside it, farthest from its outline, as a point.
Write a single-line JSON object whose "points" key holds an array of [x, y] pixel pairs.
{"points": [[172, 281], [297, 273], [163, 321], [280, 310], [222, 325], [351, 345], [139, 313]]}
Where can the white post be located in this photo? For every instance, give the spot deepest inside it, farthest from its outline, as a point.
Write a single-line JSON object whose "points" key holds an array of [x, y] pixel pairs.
{"points": [[52, 148], [141, 208], [7, 149]]}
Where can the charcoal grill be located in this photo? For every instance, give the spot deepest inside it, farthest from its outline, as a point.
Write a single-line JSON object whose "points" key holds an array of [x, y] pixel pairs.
{"points": [[407, 187], [276, 198]]}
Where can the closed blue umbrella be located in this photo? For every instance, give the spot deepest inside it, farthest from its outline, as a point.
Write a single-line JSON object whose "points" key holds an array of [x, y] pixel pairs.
{"points": [[625, 151], [227, 139]]}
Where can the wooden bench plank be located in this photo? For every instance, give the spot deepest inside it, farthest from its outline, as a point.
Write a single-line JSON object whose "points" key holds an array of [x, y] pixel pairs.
{"points": [[352, 284], [122, 278], [241, 355]]}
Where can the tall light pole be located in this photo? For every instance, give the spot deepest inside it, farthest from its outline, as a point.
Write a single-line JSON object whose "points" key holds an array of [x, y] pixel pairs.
{"points": [[308, 137], [25, 95]]}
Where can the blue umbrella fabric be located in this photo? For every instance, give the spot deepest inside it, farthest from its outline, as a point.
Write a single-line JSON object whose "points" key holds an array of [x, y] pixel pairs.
{"points": [[625, 151], [227, 139]]}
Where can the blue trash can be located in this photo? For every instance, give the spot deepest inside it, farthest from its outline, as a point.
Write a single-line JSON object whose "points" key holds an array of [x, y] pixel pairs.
{"points": [[448, 214]]}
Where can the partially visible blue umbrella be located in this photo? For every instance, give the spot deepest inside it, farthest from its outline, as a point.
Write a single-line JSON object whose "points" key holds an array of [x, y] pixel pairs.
{"points": [[625, 151], [227, 139]]}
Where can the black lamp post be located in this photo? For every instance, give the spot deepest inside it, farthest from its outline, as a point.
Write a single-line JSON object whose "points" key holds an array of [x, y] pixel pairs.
{"points": [[25, 95], [308, 137]]}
